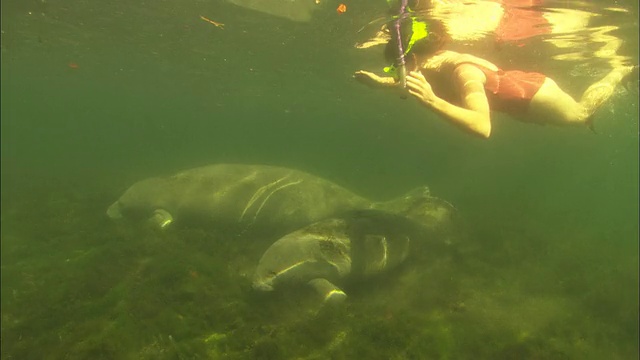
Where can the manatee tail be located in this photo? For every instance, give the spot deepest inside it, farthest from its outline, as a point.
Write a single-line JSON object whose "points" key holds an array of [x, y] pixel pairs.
{"points": [[419, 205]]}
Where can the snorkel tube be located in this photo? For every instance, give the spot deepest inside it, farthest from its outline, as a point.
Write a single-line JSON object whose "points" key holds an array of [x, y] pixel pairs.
{"points": [[406, 29], [400, 60]]}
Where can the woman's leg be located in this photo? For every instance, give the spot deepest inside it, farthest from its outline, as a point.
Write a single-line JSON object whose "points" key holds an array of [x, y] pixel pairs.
{"points": [[551, 105]]}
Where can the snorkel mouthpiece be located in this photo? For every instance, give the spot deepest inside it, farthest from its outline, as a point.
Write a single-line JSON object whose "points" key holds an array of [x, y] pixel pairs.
{"points": [[402, 76]]}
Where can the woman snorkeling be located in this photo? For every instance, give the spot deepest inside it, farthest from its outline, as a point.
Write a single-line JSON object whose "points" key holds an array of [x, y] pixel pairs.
{"points": [[464, 89]]}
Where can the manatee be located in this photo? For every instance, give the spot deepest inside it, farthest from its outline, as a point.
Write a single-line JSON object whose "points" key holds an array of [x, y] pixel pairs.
{"points": [[240, 197], [355, 245]]}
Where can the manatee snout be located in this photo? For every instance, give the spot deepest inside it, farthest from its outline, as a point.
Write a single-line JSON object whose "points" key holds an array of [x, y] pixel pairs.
{"points": [[262, 285], [114, 211], [264, 276], [263, 279]]}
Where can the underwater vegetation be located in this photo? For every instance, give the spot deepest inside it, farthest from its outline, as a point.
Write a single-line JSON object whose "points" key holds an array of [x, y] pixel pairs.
{"points": [[77, 286]]}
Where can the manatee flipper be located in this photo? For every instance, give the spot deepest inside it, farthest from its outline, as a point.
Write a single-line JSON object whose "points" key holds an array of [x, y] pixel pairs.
{"points": [[379, 240], [374, 254], [329, 292], [162, 218]]}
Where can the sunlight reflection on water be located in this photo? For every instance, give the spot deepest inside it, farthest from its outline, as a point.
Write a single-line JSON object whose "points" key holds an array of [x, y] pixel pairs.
{"points": [[578, 31]]}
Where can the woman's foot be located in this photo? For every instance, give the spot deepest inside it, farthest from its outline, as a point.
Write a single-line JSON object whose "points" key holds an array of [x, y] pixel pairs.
{"points": [[631, 79]]}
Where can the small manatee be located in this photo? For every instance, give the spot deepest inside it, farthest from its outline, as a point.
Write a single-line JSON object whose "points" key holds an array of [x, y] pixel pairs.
{"points": [[359, 243]]}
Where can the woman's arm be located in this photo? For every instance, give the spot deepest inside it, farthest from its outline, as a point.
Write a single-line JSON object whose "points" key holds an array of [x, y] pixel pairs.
{"points": [[370, 78], [474, 116]]}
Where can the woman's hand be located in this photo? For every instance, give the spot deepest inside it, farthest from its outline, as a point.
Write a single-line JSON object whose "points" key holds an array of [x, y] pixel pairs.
{"points": [[419, 87], [369, 78]]}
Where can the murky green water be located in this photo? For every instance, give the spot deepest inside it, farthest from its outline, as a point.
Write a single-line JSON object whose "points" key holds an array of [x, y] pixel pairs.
{"points": [[96, 96]]}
